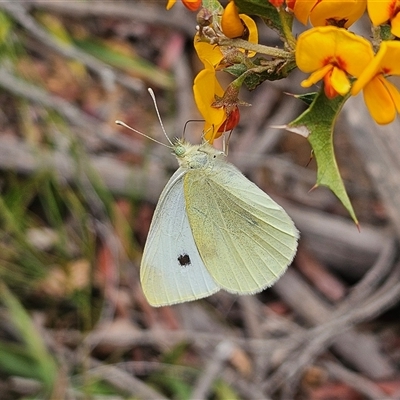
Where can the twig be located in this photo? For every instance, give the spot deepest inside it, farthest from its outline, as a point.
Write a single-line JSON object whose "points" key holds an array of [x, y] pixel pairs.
{"points": [[107, 236], [337, 240], [363, 385], [212, 370], [380, 147], [354, 347], [106, 73], [117, 176], [123, 381], [94, 129], [177, 18], [252, 315], [321, 336], [116, 377], [374, 276], [249, 390]]}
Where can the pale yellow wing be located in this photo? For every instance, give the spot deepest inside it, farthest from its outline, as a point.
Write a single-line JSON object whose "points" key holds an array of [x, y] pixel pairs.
{"points": [[246, 240], [171, 270]]}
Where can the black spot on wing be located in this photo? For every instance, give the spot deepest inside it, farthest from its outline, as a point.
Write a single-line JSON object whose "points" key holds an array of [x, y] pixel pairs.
{"points": [[184, 260]]}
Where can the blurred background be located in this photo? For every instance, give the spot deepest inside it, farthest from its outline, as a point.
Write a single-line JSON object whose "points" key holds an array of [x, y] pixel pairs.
{"points": [[77, 195]]}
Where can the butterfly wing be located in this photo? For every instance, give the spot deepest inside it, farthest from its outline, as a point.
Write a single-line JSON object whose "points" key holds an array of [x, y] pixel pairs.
{"points": [[171, 270], [245, 239]]}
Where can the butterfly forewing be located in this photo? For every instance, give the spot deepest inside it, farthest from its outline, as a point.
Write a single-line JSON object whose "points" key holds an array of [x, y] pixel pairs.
{"points": [[245, 239], [172, 270]]}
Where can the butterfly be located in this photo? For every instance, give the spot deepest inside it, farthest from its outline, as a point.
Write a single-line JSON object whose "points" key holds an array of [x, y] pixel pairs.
{"points": [[213, 229]]}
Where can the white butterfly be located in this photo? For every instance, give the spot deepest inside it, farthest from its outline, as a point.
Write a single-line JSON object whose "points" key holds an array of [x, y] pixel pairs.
{"points": [[213, 229]]}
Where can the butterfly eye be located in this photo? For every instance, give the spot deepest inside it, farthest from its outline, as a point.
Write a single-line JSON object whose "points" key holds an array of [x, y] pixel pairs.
{"points": [[179, 150]]}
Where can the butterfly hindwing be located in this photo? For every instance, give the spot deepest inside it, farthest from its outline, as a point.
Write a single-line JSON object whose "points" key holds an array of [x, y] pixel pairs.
{"points": [[172, 270], [245, 239]]}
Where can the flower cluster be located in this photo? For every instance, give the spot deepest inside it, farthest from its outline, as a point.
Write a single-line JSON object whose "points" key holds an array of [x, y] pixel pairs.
{"points": [[344, 62], [219, 107]]}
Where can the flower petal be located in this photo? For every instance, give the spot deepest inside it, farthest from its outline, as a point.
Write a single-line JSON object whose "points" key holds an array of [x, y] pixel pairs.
{"points": [[207, 52], [380, 11], [170, 3], [394, 93], [329, 90], [231, 121], [253, 31], [379, 101], [389, 57], [314, 47], [302, 9], [338, 10], [340, 82], [328, 44], [205, 88], [192, 5], [395, 22], [231, 24], [385, 61], [317, 76]]}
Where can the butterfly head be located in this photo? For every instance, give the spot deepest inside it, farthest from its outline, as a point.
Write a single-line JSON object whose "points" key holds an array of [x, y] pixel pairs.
{"points": [[179, 148]]}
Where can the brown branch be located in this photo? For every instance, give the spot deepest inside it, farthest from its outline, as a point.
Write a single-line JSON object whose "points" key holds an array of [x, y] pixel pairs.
{"points": [[380, 147], [323, 335], [107, 74], [117, 176], [212, 370], [94, 132], [363, 385], [177, 18]]}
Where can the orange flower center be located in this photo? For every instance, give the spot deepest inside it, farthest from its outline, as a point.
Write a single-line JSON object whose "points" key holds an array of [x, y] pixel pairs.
{"points": [[394, 8], [336, 62]]}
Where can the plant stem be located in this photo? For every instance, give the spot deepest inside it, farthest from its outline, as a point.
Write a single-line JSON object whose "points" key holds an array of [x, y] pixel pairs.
{"points": [[259, 48]]}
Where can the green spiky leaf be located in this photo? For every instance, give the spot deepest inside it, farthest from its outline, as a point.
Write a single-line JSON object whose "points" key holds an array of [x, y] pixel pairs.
{"points": [[317, 123]]}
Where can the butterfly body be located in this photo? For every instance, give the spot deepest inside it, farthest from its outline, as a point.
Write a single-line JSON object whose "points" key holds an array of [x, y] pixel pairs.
{"points": [[213, 229]]}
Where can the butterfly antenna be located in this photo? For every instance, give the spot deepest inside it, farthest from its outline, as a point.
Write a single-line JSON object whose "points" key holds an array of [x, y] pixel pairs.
{"points": [[121, 123], [150, 90], [187, 123]]}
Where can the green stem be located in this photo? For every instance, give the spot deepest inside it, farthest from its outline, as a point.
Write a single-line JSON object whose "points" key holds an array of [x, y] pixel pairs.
{"points": [[258, 48], [238, 82], [287, 23]]}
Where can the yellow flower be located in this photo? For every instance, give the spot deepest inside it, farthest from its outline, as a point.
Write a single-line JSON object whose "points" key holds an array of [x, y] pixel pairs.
{"points": [[207, 52], [342, 13], [207, 92], [235, 25], [205, 88], [332, 54], [231, 24], [383, 11], [381, 96], [252, 29], [192, 5]]}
